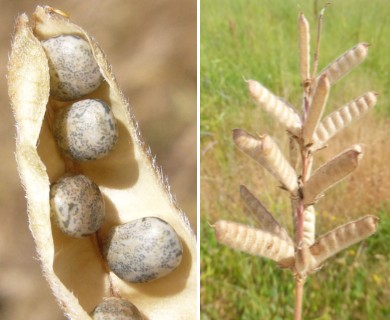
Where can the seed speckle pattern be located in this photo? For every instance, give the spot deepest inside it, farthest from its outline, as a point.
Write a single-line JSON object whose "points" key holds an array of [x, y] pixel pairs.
{"points": [[74, 72], [86, 130], [116, 309], [143, 250], [77, 205]]}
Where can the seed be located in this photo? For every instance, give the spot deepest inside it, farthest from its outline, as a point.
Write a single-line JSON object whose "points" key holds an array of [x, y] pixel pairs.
{"points": [[74, 72], [77, 205], [86, 130], [143, 250], [116, 309]]}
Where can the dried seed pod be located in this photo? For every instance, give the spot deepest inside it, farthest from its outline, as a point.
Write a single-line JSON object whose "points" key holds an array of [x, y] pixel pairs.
{"points": [[294, 153], [253, 241], [276, 106], [86, 130], [116, 309], [309, 225], [341, 118], [304, 48], [74, 72], [346, 62], [316, 109], [341, 238], [129, 179], [77, 205], [330, 173], [143, 250], [263, 216], [265, 151]]}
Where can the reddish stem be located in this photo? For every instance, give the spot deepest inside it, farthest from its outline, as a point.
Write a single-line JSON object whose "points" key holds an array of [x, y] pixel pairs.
{"points": [[299, 283], [299, 279], [306, 159]]}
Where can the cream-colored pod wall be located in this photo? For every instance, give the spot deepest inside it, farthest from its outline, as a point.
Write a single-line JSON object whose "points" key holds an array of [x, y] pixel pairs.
{"points": [[131, 183]]}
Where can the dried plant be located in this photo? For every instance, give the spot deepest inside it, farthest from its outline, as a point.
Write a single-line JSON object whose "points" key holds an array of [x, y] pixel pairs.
{"points": [[303, 254]]}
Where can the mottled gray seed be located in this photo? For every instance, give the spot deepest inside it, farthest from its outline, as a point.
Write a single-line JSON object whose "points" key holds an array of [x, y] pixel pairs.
{"points": [[143, 250], [74, 72], [77, 205], [116, 309], [86, 130]]}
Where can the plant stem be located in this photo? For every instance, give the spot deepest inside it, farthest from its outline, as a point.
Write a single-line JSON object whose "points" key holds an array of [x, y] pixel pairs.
{"points": [[306, 160], [299, 279], [299, 283]]}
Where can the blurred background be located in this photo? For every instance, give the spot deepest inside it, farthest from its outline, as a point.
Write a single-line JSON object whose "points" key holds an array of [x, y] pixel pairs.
{"points": [[152, 48], [246, 39]]}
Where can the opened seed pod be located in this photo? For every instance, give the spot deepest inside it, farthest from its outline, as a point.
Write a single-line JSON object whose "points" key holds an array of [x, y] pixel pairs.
{"points": [[129, 180]]}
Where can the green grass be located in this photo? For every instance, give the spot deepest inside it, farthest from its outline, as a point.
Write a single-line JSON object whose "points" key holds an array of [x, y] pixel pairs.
{"points": [[258, 39], [245, 39]]}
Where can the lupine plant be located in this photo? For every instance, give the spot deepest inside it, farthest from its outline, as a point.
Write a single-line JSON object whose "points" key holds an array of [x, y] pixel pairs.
{"points": [[308, 131]]}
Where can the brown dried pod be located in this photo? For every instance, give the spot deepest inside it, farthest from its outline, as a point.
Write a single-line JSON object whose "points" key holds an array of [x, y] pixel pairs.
{"points": [[266, 152], [340, 67], [276, 106], [316, 109], [330, 173], [263, 216], [341, 118], [341, 238], [304, 48], [253, 241], [309, 225], [131, 183]]}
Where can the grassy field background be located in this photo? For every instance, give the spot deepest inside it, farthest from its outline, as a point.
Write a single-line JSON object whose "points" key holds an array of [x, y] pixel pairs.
{"points": [[246, 39]]}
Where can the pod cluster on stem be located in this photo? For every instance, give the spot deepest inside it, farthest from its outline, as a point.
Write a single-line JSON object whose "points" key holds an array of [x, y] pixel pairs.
{"points": [[309, 131]]}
